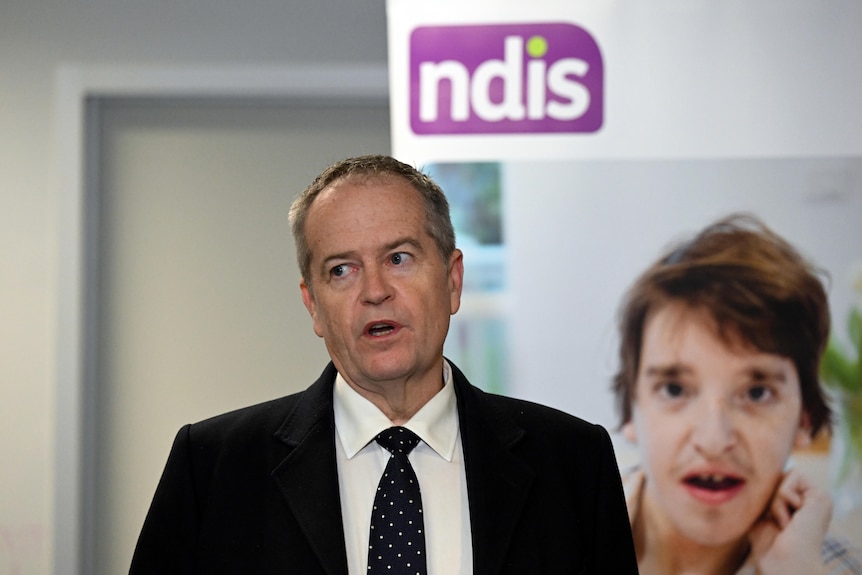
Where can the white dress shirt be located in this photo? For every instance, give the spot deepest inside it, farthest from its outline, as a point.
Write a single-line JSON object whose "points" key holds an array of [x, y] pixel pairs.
{"points": [[438, 461]]}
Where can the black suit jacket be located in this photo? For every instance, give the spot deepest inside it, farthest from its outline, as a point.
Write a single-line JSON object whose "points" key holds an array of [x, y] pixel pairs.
{"points": [[256, 491]]}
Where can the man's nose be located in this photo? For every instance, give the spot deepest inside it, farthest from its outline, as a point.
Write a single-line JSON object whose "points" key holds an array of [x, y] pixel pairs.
{"points": [[375, 285], [714, 429]]}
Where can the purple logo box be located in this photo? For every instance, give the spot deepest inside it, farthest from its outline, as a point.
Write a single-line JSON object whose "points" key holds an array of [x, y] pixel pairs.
{"points": [[505, 79]]}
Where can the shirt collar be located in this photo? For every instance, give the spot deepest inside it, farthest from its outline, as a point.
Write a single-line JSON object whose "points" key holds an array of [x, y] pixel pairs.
{"points": [[358, 421]]}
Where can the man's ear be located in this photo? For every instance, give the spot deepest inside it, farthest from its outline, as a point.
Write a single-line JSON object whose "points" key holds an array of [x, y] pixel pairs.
{"points": [[629, 431], [803, 434], [310, 305], [456, 280]]}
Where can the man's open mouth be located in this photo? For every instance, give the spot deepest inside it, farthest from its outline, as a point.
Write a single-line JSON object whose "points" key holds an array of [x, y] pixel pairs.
{"points": [[380, 329]]}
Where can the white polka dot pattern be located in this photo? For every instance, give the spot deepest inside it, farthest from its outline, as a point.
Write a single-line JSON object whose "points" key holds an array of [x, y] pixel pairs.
{"points": [[397, 541]]}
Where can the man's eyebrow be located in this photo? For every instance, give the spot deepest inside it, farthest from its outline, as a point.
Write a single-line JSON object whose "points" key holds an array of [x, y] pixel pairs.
{"points": [[335, 257], [404, 241]]}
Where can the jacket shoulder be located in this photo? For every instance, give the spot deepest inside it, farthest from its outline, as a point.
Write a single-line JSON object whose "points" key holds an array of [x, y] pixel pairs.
{"points": [[260, 415], [269, 417]]}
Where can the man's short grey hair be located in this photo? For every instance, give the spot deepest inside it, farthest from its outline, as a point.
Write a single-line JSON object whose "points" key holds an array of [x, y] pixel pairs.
{"points": [[361, 168]]}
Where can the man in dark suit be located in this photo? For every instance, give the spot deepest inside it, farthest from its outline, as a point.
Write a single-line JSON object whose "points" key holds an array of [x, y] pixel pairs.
{"points": [[289, 486]]}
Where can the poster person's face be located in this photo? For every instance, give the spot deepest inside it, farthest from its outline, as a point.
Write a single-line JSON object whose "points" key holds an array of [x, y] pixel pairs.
{"points": [[381, 294], [714, 425]]}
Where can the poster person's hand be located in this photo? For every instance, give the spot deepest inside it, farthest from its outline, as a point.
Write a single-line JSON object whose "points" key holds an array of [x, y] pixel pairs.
{"points": [[788, 538]]}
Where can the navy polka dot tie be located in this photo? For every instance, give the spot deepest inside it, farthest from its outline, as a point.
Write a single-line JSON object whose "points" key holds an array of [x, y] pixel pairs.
{"points": [[397, 541]]}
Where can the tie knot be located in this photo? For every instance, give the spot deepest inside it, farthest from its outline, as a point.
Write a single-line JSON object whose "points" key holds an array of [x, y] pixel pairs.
{"points": [[398, 440]]}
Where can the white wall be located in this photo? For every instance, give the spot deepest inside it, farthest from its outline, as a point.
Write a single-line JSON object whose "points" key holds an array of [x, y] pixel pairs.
{"points": [[35, 39]]}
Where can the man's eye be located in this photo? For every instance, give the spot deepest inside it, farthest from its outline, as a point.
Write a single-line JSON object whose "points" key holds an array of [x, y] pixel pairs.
{"points": [[399, 258], [338, 271]]}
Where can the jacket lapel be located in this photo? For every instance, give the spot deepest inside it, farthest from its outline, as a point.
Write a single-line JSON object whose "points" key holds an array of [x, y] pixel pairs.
{"points": [[308, 476], [497, 482]]}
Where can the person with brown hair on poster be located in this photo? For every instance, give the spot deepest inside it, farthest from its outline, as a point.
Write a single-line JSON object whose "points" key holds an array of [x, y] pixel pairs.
{"points": [[721, 341]]}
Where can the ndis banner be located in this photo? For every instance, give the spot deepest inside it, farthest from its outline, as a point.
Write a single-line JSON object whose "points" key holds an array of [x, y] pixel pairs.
{"points": [[505, 79]]}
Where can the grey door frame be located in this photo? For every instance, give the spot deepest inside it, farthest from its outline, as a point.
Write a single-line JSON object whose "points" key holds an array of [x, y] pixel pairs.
{"points": [[80, 91]]}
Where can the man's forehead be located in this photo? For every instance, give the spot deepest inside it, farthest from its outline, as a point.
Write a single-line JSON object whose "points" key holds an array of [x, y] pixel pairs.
{"points": [[344, 221]]}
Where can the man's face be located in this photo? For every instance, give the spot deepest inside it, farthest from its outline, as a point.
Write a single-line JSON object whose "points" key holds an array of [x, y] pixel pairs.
{"points": [[380, 293], [714, 424]]}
